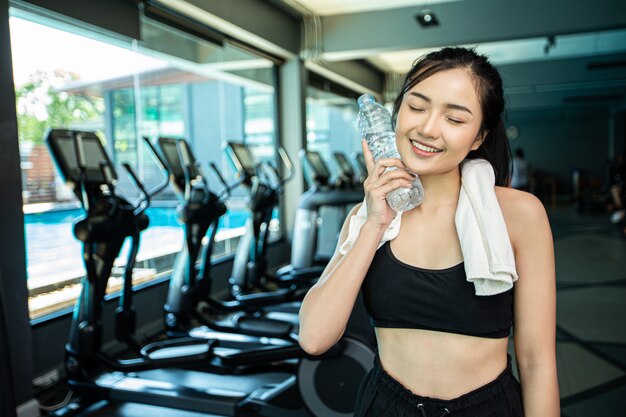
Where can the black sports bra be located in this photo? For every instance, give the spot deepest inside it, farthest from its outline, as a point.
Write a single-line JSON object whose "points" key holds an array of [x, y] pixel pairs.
{"points": [[398, 295]]}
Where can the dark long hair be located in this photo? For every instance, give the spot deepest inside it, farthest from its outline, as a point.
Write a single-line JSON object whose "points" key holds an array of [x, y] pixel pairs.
{"points": [[495, 147]]}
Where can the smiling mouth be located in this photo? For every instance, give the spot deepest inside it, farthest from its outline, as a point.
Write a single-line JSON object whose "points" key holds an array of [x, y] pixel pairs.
{"points": [[425, 148]]}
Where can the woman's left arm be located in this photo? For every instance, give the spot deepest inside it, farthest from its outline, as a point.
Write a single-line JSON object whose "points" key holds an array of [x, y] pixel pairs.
{"points": [[534, 304]]}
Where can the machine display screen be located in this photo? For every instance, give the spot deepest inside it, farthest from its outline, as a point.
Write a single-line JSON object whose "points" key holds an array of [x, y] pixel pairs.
{"points": [[244, 157], [343, 163], [63, 149], [317, 164]]}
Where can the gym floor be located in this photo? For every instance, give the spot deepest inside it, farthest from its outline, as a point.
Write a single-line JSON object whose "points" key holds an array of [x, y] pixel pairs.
{"points": [[591, 314], [591, 321]]}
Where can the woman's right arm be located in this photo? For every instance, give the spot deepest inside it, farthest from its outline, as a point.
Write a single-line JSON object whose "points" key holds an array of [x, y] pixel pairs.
{"points": [[327, 306]]}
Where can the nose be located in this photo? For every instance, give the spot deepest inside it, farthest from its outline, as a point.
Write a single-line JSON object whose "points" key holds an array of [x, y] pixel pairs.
{"points": [[428, 128]]}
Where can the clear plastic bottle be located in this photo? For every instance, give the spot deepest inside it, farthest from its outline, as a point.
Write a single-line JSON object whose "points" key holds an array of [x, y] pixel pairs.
{"points": [[374, 122]]}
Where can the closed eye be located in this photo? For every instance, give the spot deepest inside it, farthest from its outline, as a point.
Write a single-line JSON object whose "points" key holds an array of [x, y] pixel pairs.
{"points": [[417, 109], [455, 121]]}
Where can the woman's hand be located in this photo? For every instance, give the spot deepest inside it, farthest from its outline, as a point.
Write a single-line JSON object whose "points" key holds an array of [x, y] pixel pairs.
{"points": [[379, 183]]}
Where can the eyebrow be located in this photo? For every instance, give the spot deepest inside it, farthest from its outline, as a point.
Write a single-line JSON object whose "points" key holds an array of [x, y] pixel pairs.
{"points": [[448, 106]]}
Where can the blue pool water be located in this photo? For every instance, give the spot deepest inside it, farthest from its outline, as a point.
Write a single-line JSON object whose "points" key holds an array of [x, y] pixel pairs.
{"points": [[53, 253], [159, 216]]}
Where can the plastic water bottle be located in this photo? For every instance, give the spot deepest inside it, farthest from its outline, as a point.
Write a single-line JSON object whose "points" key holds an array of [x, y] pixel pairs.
{"points": [[374, 123]]}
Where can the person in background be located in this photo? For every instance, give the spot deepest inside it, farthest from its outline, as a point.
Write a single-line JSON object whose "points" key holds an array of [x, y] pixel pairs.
{"points": [[442, 347], [616, 188], [519, 179]]}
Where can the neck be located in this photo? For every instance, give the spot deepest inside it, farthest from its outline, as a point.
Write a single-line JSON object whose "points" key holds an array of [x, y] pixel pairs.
{"points": [[441, 190]]}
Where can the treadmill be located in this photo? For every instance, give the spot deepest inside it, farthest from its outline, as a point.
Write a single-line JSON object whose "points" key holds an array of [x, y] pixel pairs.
{"points": [[153, 376]]}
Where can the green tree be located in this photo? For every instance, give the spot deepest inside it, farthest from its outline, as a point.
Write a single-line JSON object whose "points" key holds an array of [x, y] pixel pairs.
{"points": [[41, 103]]}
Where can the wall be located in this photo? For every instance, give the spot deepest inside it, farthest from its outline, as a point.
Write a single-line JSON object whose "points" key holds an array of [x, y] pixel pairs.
{"points": [[12, 255], [557, 141]]}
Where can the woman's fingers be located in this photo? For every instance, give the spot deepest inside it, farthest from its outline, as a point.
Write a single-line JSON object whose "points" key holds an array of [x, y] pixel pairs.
{"points": [[389, 186], [380, 185], [367, 155], [391, 176], [371, 164], [391, 164]]}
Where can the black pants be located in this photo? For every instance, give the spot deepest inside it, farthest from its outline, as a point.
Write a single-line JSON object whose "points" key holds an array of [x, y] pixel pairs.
{"points": [[382, 396]]}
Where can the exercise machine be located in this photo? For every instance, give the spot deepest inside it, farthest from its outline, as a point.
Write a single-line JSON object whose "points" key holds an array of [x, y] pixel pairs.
{"points": [[354, 352], [347, 171], [94, 375], [321, 193], [189, 298]]}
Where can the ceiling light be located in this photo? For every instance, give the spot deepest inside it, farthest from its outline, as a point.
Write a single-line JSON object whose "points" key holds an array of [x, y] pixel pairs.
{"points": [[426, 18]]}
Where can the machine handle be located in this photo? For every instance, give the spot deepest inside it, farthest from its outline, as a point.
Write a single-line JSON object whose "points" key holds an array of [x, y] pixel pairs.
{"points": [[287, 162], [145, 201], [161, 165], [227, 187]]}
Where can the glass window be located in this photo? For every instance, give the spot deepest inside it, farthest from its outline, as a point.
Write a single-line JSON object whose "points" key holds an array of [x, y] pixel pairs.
{"points": [[331, 126], [169, 84]]}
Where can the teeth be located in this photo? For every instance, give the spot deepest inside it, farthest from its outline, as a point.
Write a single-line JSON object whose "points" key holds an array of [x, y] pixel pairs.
{"points": [[424, 147]]}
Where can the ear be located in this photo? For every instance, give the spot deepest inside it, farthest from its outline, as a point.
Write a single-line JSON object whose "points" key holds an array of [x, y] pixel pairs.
{"points": [[479, 140]]}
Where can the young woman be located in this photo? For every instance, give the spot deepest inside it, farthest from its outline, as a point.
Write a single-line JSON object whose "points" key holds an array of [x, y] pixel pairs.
{"points": [[441, 349]]}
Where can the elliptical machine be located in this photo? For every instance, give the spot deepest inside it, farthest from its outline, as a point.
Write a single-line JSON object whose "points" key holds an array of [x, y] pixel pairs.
{"points": [[189, 296], [321, 193], [353, 354], [360, 163], [326, 385], [250, 271], [347, 171], [109, 220], [265, 185]]}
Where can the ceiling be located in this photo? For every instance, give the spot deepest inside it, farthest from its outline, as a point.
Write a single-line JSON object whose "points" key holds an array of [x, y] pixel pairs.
{"points": [[546, 49], [521, 50], [508, 51], [333, 7], [551, 53]]}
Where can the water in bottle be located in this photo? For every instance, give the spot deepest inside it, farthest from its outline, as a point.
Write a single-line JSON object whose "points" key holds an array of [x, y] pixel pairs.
{"points": [[375, 125]]}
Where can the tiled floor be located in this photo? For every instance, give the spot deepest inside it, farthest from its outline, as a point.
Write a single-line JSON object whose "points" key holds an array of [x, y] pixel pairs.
{"points": [[591, 314]]}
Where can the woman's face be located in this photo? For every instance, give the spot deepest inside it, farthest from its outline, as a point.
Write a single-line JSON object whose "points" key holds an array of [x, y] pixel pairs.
{"points": [[438, 122]]}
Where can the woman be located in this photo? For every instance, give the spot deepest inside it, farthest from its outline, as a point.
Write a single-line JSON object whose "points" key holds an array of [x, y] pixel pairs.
{"points": [[446, 354]]}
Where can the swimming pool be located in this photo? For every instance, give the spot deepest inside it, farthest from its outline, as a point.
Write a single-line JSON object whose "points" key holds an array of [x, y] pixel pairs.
{"points": [[54, 255], [159, 216]]}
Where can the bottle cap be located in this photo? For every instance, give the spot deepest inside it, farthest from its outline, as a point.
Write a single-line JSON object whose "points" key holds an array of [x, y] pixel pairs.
{"points": [[365, 99]]}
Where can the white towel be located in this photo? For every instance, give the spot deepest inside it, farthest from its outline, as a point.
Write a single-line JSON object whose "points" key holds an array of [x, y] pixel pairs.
{"points": [[487, 252], [357, 221]]}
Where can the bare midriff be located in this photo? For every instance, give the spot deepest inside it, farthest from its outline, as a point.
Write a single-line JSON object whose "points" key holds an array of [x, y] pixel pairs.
{"points": [[440, 365]]}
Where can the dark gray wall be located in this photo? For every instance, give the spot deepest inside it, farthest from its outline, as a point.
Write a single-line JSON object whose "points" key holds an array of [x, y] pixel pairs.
{"points": [[12, 254], [7, 396], [619, 134], [119, 16], [559, 140]]}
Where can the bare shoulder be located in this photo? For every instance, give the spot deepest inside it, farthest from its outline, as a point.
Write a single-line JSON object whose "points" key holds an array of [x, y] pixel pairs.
{"points": [[524, 214], [518, 204]]}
